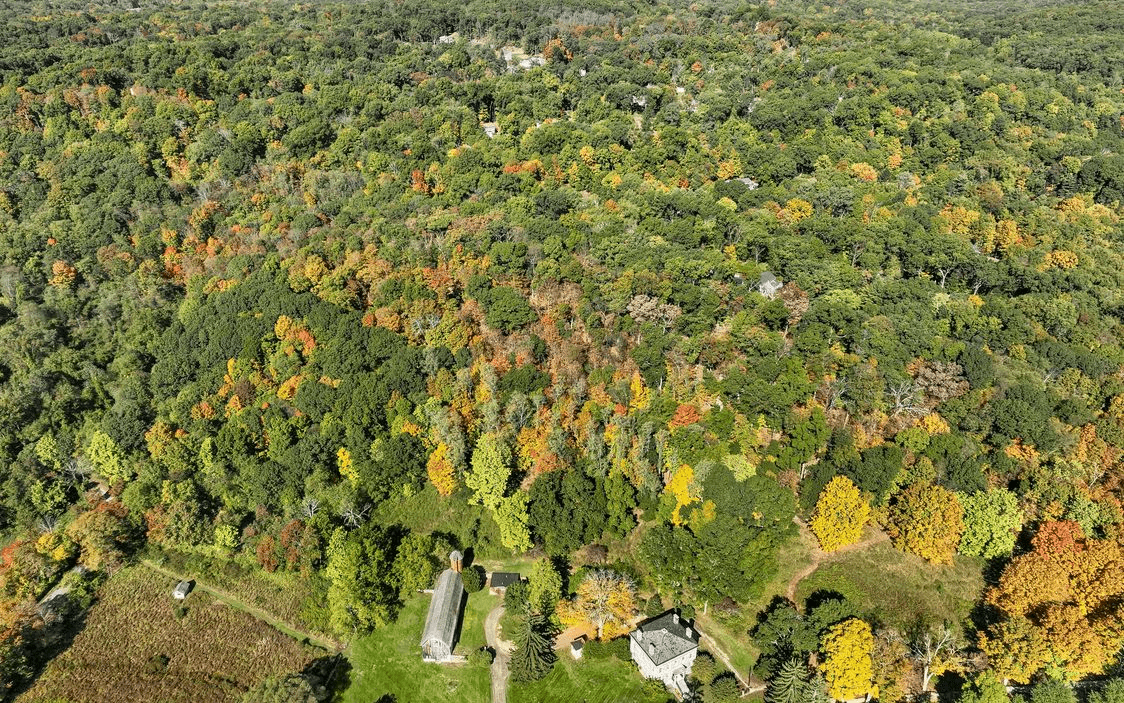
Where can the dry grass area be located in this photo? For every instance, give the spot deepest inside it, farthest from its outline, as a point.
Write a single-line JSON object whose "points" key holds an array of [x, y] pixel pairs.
{"points": [[214, 652], [899, 588]]}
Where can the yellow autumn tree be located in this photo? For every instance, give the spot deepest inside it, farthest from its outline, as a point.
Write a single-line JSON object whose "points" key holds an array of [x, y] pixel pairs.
{"points": [[639, 394], [346, 466], [605, 600], [681, 489], [841, 512], [848, 665], [440, 470]]}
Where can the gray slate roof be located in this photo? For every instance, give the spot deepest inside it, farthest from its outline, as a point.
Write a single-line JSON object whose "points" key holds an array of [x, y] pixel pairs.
{"points": [[669, 634], [444, 609], [503, 579]]}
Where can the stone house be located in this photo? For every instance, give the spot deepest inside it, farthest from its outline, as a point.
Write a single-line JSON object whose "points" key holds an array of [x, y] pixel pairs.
{"points": [[664, 648]]}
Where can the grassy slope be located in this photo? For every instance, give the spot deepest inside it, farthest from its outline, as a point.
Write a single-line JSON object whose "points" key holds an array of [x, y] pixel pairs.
{"points": [[897, 587], [587, 681], [426, 511], [389, 659]]}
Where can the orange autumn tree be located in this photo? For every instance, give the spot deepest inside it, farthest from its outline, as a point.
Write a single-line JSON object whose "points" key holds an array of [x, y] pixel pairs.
{"points": [[684, 415], [1062, 602], [927, 520], [440, 470]]}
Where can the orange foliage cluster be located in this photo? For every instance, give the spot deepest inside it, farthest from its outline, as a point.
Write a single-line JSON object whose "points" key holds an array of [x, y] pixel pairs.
{"points": [[684, 415], [1063, 601], [62, 274]]}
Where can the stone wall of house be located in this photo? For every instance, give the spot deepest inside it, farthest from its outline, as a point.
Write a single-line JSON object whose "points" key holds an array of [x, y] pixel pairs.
{"points": [[664, 671]]}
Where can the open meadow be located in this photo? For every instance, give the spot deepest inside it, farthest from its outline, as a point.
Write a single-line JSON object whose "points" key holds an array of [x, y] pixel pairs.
{"points": [[132, 646]]}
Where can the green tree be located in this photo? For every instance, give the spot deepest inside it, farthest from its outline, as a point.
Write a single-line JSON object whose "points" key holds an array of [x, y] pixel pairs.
{"points": [[507, 310], [992, 521], [361, 589], [415, 566], [787, 685], [491, 469], [985, 688], [545, 586], [107, 459], [511, 517], [533, 657], [1052, 691], [1111, 692]]}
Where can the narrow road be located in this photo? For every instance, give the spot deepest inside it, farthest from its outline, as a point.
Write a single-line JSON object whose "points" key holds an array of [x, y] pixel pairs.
{"points": [[265, 616], [502, 649], [713, 648]]}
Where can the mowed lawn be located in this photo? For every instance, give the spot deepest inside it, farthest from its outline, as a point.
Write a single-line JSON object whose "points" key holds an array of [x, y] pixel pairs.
{"points": [[389, 659], [897, 587], [589, 681], [133, 647]]}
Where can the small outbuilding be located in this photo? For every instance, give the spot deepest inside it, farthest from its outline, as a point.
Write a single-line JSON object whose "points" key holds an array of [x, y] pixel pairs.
{"points": [[498, 581], [182, 589], [440, 633], [576, 647]]}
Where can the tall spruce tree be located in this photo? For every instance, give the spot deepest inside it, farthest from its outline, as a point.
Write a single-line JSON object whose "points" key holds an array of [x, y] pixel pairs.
{"points": [[533, 657]]}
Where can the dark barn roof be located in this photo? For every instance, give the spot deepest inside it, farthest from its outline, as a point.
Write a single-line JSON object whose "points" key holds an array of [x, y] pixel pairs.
{"points": [[503, 579], [668, 633]]}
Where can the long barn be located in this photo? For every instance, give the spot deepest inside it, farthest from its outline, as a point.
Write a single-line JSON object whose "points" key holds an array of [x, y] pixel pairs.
{"points": [[439, 635]]}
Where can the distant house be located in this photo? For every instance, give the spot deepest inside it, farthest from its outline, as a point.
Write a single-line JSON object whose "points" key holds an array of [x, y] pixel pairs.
{"points": [[664, 648], [490, 129], [498, 581], [182, 589], [439, 636], [768, 285]]}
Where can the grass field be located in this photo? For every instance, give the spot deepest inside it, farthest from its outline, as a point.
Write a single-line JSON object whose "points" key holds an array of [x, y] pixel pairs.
{"points": [[214, 652], [426, 511], [897, 587], [284, 594], [589, 681], [389, 659]]}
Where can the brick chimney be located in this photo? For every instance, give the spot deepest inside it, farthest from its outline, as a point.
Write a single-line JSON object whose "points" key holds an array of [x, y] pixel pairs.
{"points": [[455, 558]]}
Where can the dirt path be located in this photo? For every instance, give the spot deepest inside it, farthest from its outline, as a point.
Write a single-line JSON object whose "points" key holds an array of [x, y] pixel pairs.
{"points": [[265, 616], [502, 648], [819, 556], [713, 647], [564, 638]]}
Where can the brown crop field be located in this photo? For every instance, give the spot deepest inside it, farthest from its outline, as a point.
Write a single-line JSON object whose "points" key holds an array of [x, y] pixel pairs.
{"points": [[213, 652]]}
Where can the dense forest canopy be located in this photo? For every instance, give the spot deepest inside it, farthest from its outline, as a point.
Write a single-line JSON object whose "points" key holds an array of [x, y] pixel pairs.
{"points": [[267, 270]]}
